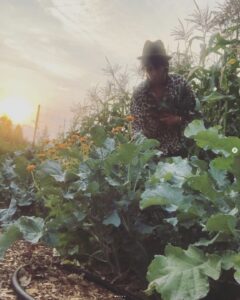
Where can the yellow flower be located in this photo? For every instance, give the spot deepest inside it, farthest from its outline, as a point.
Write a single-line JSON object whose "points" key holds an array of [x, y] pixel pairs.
{"points": [[83, 139], [85, 149], [117, 129], [31, 168], [51, 151], [46, 142], [75, 136], [62, 146], [42, 155], [129, 118], [232, 61]]}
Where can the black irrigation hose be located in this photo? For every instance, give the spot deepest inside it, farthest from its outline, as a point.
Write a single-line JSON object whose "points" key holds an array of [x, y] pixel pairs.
{"points": [[17, 287], [123, 295]]}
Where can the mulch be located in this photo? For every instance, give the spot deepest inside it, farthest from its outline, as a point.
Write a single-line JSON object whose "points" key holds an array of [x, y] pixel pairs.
{"points": [[43, 279]]}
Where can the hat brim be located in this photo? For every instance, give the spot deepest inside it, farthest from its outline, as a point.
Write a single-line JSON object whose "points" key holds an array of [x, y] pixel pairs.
{"points": [[163, 56]]}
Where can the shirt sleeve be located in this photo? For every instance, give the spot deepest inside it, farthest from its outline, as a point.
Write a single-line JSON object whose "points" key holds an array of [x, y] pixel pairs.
{"points": [[135, 111]]}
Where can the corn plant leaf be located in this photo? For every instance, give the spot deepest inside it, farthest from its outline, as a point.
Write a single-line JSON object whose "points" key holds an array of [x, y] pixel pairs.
{"points": [[216, 96], [182, 274]]}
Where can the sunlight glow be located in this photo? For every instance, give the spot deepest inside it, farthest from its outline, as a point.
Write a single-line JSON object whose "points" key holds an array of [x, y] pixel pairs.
{"points": [[18, 109]]}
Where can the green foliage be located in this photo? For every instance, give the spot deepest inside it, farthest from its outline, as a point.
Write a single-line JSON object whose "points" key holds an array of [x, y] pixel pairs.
{"points": [[17, 191], [183, 274], [99, 195], [11, 138], [29, 228], [208, 201], [103, 193], [217, 86]]}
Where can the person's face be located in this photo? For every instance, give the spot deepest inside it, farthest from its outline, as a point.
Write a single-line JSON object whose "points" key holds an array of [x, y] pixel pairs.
{"points": [[157, 75]]}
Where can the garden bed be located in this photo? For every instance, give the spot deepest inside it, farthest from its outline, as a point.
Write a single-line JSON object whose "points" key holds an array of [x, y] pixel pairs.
{"points": [[44, 280]]}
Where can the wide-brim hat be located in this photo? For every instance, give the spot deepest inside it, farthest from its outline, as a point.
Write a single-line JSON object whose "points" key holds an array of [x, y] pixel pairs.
{"points": [[156, 48]]}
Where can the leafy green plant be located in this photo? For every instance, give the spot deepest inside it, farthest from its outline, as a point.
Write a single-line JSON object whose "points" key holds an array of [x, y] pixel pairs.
{"points": [[101, 197], [17, 191], [92, 208], [202, 197]]}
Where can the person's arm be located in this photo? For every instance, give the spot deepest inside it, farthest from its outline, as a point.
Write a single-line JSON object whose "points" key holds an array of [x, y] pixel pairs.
{"points": [[135, 111], [187, 107]]}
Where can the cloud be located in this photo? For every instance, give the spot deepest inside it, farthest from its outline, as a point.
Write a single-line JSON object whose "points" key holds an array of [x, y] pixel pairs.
{"points": [[37, 40], [59, 46]]}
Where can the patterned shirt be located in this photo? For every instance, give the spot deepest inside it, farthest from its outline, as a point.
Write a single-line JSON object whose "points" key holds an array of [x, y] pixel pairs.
{"points": [[178, 99]]}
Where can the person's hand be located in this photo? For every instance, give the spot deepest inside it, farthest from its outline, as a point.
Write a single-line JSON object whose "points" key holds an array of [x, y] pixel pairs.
{"points": [[170, 120]]}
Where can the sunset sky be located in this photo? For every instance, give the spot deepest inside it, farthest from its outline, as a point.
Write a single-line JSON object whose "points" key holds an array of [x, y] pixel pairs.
{"points": [[53, 51]]}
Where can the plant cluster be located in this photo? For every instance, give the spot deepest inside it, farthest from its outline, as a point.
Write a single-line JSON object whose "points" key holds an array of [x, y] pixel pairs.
{"points": [[102, 197]]}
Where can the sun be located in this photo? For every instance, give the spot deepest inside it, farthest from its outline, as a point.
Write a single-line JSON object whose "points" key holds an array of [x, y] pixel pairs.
{"points": [[18, 109]]}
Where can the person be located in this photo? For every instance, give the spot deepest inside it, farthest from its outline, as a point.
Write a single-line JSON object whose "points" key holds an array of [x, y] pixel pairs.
{"points": [[164, 103]]}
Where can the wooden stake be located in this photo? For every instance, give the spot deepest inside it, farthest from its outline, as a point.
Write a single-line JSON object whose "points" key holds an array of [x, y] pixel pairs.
{"points": [[36, 126]]}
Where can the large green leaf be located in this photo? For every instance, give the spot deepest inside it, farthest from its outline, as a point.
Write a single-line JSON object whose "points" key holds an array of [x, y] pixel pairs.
{"points": [[107, 148], [126, 153], [8, 169], [113, 219], [84, 174], [162, 194], [146, 143], [231, 260], [176, 172], [222, 163], [182, 274], [222, 223], [8, 238], [220, 176], [31, 228], [204, 184], [7, 213], [194, 128], [98, 135], [53, 169], [210, 139]]}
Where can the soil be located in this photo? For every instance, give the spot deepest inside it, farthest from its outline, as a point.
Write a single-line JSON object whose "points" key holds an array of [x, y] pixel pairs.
{"points": [[43, 279]]}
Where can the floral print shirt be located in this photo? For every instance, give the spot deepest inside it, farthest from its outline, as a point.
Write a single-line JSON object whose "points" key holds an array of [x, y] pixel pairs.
{"points": [[146, 109]]}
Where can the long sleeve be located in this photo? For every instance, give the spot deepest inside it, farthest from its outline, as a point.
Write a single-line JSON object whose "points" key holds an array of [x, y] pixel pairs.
{"points": [[135, 111]]}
